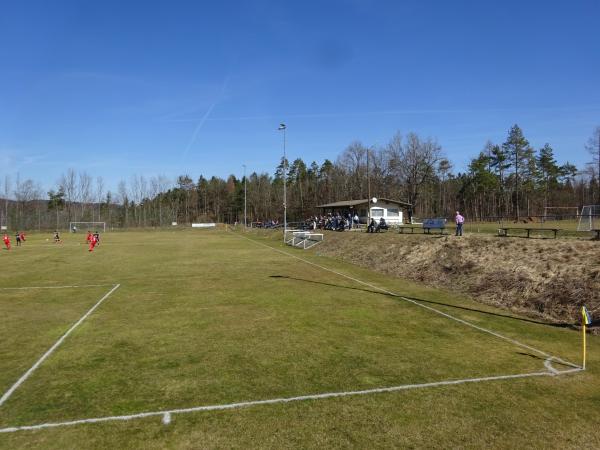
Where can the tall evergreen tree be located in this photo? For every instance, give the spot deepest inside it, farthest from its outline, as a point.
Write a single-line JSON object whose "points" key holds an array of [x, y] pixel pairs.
{"points": [[549, 170], [518, 152]]}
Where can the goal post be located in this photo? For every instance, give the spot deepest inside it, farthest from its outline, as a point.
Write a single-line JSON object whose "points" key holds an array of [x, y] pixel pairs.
{"points": [[77, 226], [589, 219]]}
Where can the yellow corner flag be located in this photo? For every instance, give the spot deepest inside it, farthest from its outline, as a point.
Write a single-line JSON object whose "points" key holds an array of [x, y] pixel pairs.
{"points": [[587, 318]]}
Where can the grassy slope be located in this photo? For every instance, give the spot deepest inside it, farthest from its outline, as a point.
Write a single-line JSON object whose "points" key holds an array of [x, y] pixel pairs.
{"points": [[205, 317], [548, 278]]}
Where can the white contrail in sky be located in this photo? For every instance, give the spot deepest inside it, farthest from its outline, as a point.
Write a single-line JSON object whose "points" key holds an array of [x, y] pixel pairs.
{"points": [[204, 118], [197, 129], [394, 112]]}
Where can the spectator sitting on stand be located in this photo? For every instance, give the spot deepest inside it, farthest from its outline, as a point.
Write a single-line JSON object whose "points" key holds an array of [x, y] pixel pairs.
{"points": [[372, 226], [382, 225]]}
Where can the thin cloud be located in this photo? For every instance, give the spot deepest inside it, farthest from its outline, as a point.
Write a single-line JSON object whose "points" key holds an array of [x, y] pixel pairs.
{"points": [[204, 118]]}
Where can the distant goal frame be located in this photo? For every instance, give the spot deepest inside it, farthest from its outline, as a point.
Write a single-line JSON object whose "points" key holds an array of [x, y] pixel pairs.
{"points": [[561, 213], [589, 218], [88, 225]]}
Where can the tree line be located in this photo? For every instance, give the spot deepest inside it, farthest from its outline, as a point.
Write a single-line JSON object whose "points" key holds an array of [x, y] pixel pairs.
{"points": [[509, 179]]}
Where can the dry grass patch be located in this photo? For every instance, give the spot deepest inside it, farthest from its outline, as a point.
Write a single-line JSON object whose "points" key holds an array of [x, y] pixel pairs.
{"points": [[545, 278]]}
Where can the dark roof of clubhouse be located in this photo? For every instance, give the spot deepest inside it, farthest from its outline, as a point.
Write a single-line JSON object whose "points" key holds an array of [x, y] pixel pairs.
{"points": [[349, 203]]}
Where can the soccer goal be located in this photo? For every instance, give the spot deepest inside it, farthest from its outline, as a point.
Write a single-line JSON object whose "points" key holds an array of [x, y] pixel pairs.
{"points": [[589, 219], [77, 226], [561, 213], [302, 239]]}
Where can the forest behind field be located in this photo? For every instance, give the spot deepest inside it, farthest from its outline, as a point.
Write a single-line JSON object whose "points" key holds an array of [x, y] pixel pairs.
{"points": [[509, 179]]}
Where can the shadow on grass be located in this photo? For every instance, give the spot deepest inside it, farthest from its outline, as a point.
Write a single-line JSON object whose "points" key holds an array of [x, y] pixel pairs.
{"points": [[541, 358], [422, 300]]}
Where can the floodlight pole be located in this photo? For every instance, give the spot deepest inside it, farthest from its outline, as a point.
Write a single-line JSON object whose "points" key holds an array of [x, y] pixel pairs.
{"points": [[245, 208], [282, 127], [368, 192]]}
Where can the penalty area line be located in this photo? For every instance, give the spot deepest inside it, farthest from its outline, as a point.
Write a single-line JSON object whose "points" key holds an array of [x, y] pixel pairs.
{"points": [[27, 374], [414, 302], [167, 414]]}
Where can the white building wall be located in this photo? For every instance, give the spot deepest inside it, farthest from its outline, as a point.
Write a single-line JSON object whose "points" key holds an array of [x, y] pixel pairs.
{"points": [[392, 213]]}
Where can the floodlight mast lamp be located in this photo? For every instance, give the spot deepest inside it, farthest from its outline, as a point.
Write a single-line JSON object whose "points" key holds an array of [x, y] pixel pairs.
{"points": [[282, 127]]}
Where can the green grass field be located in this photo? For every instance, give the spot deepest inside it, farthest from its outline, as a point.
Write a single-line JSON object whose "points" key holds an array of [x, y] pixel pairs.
{"points": [[210, 317]]}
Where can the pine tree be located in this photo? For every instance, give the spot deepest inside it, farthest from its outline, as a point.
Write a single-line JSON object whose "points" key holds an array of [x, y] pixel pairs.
{"points": [[518, 152], [499, 162], [548, 170]]}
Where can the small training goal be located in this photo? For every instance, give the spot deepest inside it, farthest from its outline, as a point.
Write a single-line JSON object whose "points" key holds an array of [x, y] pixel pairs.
{"points": [[87, 226], [302, 239], [561, 213], [589, 219]]}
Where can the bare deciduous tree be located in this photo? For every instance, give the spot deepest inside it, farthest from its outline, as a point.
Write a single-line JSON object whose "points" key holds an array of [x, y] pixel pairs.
{"points": [[593, 146], [99, 196], [67, 184], [414, 163]]}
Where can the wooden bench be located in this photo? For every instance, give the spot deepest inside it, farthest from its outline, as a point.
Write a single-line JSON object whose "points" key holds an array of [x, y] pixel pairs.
{"points": [[425, 229], [401, 228], [503, 231]]}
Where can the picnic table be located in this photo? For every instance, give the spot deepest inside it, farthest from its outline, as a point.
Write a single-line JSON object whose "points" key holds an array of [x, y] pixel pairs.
{"points": [[503, 231]]}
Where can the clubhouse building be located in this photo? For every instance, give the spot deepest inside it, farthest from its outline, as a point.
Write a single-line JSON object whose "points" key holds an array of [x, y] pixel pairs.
{"points": [[390, 210]]}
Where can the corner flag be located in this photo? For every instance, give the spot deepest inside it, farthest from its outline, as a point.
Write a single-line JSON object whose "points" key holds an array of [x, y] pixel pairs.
{"points": [[587, 317]]}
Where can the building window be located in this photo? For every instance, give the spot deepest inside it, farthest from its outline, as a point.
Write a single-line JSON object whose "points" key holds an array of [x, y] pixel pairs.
{"points": [[376, 212], [393, 212]]}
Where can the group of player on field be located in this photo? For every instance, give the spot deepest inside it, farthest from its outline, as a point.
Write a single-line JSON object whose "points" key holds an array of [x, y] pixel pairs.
{"points": [[93, 239], [19, 237]]}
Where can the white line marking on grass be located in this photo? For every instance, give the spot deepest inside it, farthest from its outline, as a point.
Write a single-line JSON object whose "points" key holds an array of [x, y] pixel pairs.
{"points": [[548, 365], [166, 415], [26, 375], [414, 302], [53, 287], [555, 371]]}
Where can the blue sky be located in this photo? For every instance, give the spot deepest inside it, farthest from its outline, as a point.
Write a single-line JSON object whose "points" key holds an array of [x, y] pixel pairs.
{"points": [[171, 87]]}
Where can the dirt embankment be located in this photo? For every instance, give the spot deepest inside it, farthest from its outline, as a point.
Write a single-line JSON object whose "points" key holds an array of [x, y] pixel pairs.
{"points": [[540, 277]]}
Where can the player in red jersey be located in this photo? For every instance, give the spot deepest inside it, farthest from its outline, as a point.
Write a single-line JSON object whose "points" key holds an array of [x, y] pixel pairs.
{"points": [[88, 239], [93, 243], [6, 241], [22, 236]]}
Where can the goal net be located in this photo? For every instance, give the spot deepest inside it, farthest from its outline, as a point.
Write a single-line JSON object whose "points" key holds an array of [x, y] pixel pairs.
{"points": [[85, 226], [589, 218], [561, 213]]}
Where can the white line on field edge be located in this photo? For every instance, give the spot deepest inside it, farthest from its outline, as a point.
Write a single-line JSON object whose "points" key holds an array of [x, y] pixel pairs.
{"points": [[26, 375], [414, 302], [167, 414], [53, 287]]}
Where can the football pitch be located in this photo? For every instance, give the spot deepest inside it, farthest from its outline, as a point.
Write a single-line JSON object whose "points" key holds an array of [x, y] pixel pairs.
{"points": [[214, 338]]}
